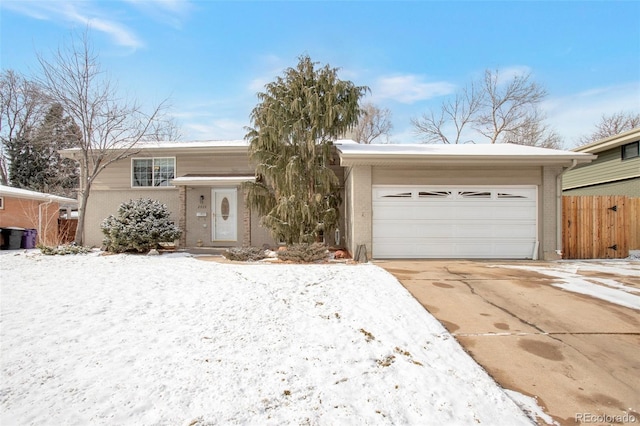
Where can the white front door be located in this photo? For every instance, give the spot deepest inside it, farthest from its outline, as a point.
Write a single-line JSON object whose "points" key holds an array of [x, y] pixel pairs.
{"points": [[224, 217]]}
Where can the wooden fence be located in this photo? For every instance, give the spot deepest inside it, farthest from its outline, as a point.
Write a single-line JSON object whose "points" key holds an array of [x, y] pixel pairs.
{"points": [[600, 227], [67, 230]]}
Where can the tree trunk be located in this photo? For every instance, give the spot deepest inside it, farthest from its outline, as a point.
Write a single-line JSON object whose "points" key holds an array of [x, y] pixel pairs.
{"points": [[84, 194]]}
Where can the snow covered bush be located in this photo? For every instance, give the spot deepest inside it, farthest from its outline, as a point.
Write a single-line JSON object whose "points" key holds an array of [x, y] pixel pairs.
{"points": [[63, 249], [304, 253], [245, 254], [140, 226]]}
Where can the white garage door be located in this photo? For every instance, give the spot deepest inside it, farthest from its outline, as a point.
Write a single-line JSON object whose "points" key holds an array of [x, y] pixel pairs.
{"points": [[454, 222]]}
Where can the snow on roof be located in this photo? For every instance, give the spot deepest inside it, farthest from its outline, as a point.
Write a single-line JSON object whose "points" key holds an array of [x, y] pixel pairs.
{"points": [[468, 152], [178, 145], [9, 191], [194, 144]]}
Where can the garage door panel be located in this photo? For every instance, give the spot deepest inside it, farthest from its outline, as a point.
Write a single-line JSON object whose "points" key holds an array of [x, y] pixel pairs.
{"points": [[493, 231], [382, 229], [449, 222]]}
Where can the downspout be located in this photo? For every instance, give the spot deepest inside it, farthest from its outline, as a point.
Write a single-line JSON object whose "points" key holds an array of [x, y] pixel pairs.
{"points": [[559, 222]]}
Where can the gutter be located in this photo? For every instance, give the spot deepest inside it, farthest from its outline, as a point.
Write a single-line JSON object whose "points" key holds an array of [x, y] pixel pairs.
{"points": [[559, 222]]}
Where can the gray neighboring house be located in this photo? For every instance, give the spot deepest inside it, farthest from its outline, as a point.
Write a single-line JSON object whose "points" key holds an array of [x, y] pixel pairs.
{"points": [[399, 201], [616, 171]]}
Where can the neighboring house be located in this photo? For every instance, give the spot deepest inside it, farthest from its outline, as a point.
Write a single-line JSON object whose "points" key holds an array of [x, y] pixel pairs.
{"points": [[616, 171], [400, 201], [22, 208]]}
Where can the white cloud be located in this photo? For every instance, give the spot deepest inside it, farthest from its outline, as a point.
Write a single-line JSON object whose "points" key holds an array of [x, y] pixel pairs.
{"points": [[84, 13], [577, 114], [509, 73], [409, 88], [213, 129], [169, 12]]}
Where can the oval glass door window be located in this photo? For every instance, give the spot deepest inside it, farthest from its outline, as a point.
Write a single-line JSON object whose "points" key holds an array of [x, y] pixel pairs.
{"points": [[224, 208]]}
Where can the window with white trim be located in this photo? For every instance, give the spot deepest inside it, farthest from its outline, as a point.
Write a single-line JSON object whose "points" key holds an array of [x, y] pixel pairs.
{"points": [[1, 203], [152, 171]]}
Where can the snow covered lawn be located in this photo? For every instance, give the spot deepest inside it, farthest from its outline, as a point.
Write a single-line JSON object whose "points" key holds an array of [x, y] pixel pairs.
{"points": [[173, 340]]}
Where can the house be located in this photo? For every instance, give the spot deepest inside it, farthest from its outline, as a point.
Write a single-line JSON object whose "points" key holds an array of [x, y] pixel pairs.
{"points": [[22, 208], [616, 171], [408, 201]]}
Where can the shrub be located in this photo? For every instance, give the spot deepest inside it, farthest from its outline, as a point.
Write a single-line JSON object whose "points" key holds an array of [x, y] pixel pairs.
{"points": [[245, 254], [63, 249], [139, 226], [304, 253]]}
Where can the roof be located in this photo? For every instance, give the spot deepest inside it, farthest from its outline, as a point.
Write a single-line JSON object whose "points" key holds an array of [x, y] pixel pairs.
{"points": [[240, 146], [610, 142], [9, 191], [493, 154]]}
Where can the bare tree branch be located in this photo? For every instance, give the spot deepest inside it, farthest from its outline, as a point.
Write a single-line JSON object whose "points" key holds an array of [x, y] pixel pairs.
{"points": [[22, 104], [111, 125], [611, 125], [496, 108], [533, 132], [374, 123], [507, 106]]}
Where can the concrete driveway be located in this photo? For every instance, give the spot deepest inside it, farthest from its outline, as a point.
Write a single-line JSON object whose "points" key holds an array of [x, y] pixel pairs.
{"points": [[578, 355]]}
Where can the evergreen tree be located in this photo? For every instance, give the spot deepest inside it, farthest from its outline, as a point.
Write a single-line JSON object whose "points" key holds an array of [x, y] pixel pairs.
{"points": [[26, 164], [58, 131], [35, 162], [298, 117]]}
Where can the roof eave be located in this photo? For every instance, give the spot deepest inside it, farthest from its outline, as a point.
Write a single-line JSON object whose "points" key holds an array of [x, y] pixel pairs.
{"points": [[610, 142], [73, 153], [448, 160]]}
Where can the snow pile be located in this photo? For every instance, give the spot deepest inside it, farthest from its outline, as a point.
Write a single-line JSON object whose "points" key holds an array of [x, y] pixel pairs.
{"points": [[174, 340], [609, 289]]}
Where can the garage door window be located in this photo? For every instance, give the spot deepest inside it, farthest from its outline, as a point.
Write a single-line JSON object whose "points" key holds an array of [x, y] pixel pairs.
{"points": [[398, 195], [434, 194], [473, 194]]}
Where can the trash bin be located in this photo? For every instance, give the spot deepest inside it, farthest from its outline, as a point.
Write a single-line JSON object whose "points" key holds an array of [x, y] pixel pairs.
{"points": [[29, 238], [12, 237]]}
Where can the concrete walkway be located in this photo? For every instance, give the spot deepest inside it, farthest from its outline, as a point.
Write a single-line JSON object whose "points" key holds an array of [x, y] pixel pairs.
{"points": [[579, 356]]}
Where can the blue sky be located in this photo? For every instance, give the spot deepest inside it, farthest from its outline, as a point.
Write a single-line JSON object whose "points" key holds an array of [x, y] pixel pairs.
{"points": [[212, 57]]}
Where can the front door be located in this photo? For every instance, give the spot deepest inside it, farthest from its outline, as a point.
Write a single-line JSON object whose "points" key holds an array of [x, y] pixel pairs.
{"points": [[224, 216]]}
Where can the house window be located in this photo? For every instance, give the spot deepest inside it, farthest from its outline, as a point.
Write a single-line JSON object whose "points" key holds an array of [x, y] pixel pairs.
{"points": [[152, 171], [1, 203], [631, 150]]}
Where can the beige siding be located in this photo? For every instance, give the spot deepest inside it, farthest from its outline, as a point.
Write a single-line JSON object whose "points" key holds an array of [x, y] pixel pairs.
{"points": [[104, 203], [606, 168], [359, 209], [118, 175], [550, 214], [456, 176]]}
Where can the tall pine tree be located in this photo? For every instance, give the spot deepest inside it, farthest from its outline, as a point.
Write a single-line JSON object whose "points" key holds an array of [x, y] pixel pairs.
{"points": [[35, 162], [298, 117]]}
